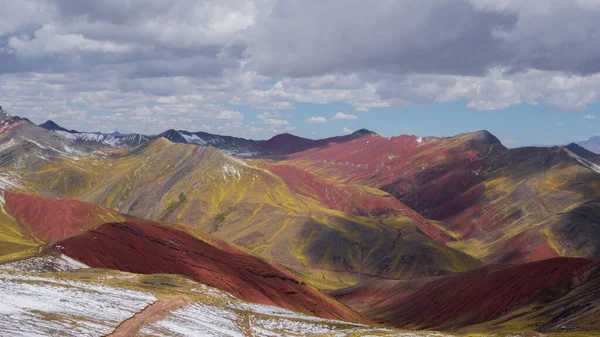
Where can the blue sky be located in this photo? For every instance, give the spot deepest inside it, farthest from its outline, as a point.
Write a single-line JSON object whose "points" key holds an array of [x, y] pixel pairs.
{"points": [[518, 125]]}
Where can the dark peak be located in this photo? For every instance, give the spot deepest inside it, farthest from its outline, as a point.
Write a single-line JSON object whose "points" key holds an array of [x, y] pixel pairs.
{"points": [[483, 137], [486, 136], [364, 132], [583, 152], [284, 137], [52, 126]]}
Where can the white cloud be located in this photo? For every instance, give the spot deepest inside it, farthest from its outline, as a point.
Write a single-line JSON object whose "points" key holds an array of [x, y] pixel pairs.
{"points": [[272, 121], [230, 115], [560, 123], [588, 116], [346, 130], [149, 64], [268, 118], [315, 120], [343, 116]]}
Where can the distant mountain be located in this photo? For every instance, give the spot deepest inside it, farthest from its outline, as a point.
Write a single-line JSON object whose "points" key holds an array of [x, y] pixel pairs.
{"points": [[232, 145], [51, 126], [287, 143], [276, 146], [114, 139], [27, 146], [592, 144]]}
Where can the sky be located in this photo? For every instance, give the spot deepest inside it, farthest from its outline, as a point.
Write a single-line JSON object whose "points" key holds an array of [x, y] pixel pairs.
{"points": [[527, 71]]}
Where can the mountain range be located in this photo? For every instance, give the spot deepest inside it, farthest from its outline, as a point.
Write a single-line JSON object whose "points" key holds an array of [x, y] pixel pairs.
{"points": [[458, 234], [279, 145]]}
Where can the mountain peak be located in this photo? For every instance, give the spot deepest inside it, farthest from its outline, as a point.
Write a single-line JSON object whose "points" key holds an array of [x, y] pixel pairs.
{"points": [[487, 137], [52, 126], [364, 132]]}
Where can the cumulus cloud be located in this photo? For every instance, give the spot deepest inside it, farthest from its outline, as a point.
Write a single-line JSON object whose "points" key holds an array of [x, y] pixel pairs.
{"points": [[346, 130], [269, 118], [144, 65], [588, 116], [343, 116], [315, 120]]}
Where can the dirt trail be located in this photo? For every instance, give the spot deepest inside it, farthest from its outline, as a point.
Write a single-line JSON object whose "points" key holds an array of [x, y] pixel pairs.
{"points": [[149, 315]]}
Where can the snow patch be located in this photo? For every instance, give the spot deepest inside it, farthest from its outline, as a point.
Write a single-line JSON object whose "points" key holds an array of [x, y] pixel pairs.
{"points": [[7, 145], [197, 320], [44, 264], [586, 163], [230, 170], [7, 181], [45, 306], [65, 134], [36, 144], [193, 139]]}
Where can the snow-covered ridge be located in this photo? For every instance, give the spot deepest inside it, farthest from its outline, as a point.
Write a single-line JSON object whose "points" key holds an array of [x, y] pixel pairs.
{"points": [[193, 139], [586, 163], [104, 139]]}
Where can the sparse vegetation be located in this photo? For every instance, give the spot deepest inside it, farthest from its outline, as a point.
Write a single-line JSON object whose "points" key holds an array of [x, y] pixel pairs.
{"points": [[181, 200], [219, 219]]}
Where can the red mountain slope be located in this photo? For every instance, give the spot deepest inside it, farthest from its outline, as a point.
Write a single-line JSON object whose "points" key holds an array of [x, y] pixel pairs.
{"points": [[352, 198], [48, 219], [147, 247], [503, 206], [548, 291]]}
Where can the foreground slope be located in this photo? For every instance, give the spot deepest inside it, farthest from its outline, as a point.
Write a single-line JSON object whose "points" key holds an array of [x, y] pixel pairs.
{"points": [[92, 302], [501, 205], [551, 295], [149, 248], [77, 230]]}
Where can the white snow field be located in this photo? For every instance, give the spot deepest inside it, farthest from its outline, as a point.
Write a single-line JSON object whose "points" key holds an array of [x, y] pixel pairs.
{"points": [[235, 318], [71, 301], [47, 306], [44, 264]]}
